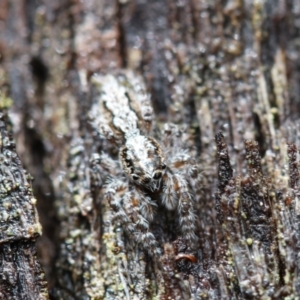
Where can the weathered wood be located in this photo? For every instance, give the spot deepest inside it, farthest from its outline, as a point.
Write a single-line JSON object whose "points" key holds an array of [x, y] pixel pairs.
{"points": [[209, 66]]}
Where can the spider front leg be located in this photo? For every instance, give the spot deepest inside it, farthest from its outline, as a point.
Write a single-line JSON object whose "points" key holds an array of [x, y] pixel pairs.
{"points": [[176, 194], [115, 190], [140, 210], [131, 210], [184, 161]]}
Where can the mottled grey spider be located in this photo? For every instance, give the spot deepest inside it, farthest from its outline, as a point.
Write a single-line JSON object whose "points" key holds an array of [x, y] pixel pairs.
{"points": [[122, 107]]}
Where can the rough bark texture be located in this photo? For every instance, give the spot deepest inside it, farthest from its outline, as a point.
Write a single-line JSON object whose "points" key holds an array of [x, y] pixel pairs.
{"points": [[21, 273], [210, 66]]}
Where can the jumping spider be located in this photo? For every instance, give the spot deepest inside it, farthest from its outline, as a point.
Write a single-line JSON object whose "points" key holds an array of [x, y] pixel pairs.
{"points": [[122, 107]]}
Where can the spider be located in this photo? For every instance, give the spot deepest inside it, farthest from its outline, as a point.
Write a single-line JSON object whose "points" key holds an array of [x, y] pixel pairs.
{"points": [[123, 107]]}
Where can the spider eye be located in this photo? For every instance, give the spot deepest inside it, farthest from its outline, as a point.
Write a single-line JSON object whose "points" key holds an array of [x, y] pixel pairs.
{"points": [[157, 175], [128, 161], [135, 177], [146, 179], [163, 166]]}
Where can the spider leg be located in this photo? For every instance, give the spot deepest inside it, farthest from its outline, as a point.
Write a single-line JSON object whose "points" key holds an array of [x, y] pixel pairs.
{"points": [[184, 161], [133, 210], [115, 191], [187, 218], [146, 207], [169, 195], [140, 209], [176, 195], [101, 166], [173, 140]]}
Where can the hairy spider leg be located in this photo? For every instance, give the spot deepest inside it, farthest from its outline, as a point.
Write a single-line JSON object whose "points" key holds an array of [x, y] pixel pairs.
{"points": [[130, 214]]}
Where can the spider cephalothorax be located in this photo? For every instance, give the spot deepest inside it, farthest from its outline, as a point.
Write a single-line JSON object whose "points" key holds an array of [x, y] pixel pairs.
{"points": [[143, 161], [123, 114]]}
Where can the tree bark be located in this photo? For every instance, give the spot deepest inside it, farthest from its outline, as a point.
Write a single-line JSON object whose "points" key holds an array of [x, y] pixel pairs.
{"points": [[226, 74]]}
